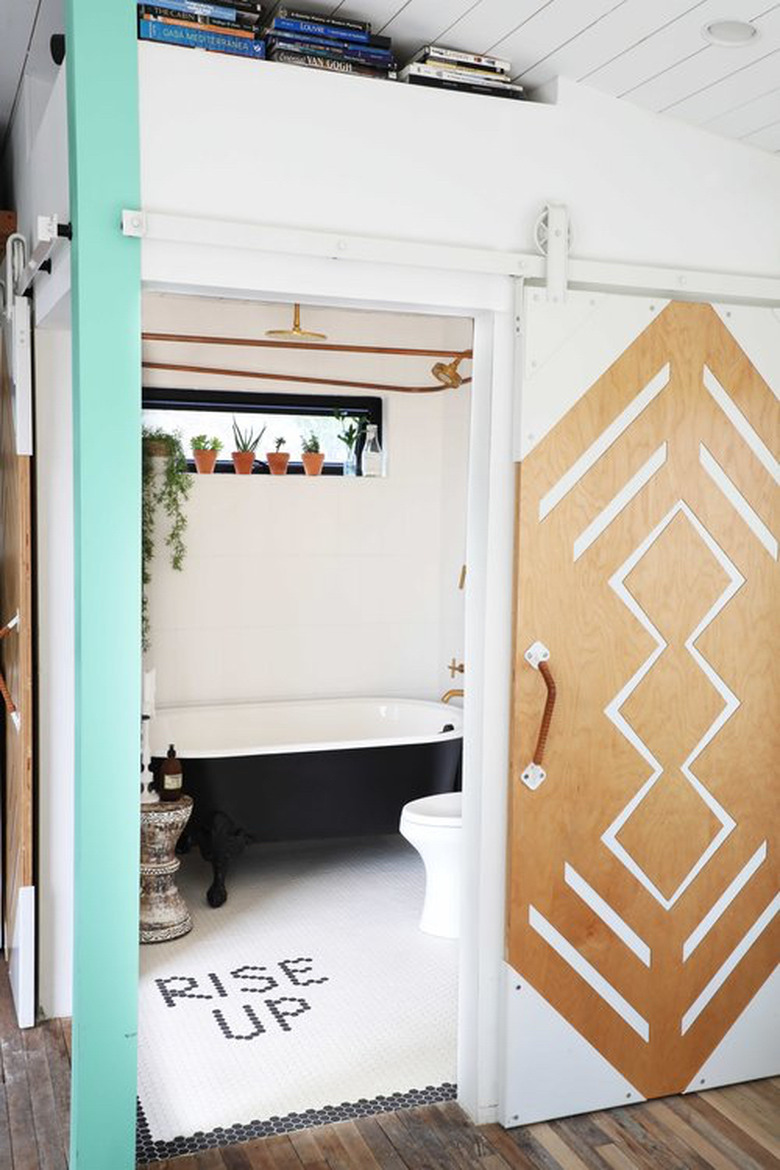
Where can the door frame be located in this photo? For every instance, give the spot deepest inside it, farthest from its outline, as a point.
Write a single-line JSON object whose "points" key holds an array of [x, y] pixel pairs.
{"points": [[187, 269]]}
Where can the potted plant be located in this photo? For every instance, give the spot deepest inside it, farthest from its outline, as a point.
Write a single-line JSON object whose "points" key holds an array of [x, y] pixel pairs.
{"points": [[278, 459], [204, 452], [351, 430], [166, 484], [246, 447], [313, 458]]}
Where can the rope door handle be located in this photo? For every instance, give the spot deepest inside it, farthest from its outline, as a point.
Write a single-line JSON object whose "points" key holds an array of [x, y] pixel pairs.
{"points": [[538, 657], [10, 706]]}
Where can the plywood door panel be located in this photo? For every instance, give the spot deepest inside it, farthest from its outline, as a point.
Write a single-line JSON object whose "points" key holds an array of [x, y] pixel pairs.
{"points": [[16, 660], [643, 870]]}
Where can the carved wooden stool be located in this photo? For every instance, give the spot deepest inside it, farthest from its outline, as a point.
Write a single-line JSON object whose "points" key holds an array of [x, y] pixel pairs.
{"points": [[164, 913]]}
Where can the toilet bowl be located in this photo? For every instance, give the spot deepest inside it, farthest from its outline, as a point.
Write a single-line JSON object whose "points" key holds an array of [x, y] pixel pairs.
{"points": [[433, 826]]}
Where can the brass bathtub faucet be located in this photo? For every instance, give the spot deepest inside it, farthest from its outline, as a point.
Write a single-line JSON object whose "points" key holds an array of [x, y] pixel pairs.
{"points": [[454, 694]]}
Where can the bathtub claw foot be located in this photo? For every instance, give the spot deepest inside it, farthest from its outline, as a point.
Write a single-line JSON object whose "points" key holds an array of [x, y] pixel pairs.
{"points": [[222, 843], [216, 895]]}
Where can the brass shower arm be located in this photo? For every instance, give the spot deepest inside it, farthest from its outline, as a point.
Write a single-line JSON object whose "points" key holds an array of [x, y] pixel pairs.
{"points": [[218, 371]]}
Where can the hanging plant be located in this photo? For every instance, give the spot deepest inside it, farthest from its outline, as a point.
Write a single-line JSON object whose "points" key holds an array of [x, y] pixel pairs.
{"points": [[166, 492]]}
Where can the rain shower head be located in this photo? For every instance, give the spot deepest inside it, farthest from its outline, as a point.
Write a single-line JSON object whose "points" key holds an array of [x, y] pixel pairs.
{"points": [[447, 373], [296, 332]]}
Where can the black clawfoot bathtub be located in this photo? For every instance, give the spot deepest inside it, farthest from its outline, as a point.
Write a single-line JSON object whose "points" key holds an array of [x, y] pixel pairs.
{"points": [[302, 770]]}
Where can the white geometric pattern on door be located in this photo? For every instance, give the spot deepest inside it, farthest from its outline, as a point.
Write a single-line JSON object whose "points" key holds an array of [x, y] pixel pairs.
{"points": [[643, 869]]}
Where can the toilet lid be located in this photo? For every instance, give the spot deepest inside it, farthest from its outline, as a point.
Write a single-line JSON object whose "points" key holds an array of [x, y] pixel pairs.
{"points": [[444, 810]]}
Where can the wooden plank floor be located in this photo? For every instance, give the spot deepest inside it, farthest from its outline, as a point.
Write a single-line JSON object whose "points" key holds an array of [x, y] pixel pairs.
{"points": [[736, 1128]]}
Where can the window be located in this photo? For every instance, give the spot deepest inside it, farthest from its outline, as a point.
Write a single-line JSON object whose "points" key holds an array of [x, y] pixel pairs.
{"points": [[288, 416]]}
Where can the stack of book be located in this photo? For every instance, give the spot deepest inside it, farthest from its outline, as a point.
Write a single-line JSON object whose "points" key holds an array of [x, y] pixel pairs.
{"points": [[234, 27], [443, 68], [327, 42]]}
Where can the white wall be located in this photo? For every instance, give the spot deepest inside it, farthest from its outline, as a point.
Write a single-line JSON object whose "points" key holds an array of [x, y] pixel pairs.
{"points": [[296, 587], [266, 142]]}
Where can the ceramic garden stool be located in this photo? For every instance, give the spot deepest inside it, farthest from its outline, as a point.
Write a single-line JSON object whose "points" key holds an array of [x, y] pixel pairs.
{"points": [[164, 913]]}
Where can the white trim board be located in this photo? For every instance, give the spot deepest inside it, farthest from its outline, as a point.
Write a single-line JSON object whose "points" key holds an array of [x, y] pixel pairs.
{"points": [[684, 284], [21, 958]]}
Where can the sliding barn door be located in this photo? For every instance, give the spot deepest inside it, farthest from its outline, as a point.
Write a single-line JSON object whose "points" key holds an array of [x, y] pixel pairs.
{"points": [[16, 671], [642, 936]]}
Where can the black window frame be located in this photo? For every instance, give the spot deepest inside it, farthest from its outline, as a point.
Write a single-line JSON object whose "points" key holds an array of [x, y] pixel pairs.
{"points": [[368, 407]]}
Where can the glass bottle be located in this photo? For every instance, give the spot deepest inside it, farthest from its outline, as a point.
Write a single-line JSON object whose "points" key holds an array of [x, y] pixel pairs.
{"points": [[371, 459], [350, 462]]}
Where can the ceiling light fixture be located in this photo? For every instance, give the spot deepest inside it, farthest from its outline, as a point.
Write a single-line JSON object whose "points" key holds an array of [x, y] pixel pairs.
{"points": [[731, 34]]}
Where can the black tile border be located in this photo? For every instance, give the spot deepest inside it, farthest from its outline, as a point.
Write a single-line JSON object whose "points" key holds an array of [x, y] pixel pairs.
{"points": [[149, 1150]]}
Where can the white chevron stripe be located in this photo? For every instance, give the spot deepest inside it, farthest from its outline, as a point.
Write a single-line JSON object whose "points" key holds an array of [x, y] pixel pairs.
{"points": [[737, 500], [722, 974], [724, 901], [604, 441], [588, 972], [741, 424], [620, 501], [608, 914], [613, 710]]}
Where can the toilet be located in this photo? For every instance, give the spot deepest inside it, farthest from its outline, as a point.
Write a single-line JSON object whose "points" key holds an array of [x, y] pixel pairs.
{"points": [[433, 826]]}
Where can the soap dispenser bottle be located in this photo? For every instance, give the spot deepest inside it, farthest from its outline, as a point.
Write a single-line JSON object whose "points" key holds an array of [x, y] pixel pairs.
{"points": [[171, 776]]}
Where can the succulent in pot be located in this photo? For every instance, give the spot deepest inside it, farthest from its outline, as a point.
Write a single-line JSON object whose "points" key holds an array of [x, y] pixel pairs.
{"points": [[204, 452], [313, 458], [278, 459], [245, 448]]}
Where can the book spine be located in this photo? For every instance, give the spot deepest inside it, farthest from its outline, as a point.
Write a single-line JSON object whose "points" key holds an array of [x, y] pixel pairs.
{"points": [[466, 76], [333, 65], [194, 8], [472, 70], [242, 20], [197, 38], [335, 21], [312, 28], [320, 46], [183, 20], [495, 64], [503, 91]]}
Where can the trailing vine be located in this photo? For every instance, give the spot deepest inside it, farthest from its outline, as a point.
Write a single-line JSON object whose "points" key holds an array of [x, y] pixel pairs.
{"points": [[167, 492]]}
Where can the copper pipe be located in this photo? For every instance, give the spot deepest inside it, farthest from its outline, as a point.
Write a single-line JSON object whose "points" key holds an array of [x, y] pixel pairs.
{"points": [[549, 707], [262, 343], [218, 371]]}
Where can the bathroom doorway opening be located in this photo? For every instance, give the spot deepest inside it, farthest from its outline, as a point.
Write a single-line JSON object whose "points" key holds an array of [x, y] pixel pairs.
{"points": [[306, 658]]}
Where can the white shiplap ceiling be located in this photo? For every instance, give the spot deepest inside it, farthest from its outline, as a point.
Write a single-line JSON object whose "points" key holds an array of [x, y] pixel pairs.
{"points": [[651, 52]]}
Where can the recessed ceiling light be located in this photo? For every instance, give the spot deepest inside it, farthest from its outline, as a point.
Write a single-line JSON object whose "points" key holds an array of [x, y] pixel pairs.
{"points": [[731, 33]]}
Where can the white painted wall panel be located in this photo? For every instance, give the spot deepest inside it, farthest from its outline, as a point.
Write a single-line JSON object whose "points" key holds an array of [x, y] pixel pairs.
{"points": [[451, 168]]}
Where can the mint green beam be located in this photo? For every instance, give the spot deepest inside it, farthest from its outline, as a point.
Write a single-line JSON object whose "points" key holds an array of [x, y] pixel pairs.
{"points": [[102, 74]]}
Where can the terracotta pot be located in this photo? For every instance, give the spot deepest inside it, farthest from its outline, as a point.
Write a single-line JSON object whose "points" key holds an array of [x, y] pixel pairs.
{"points": [[205, 460], [277, 462], [244, 461], [312, 464]]}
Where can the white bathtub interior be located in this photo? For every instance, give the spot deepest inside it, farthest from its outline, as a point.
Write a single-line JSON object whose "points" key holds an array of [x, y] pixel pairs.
{"points": [[246, 729], [309, 616]]}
